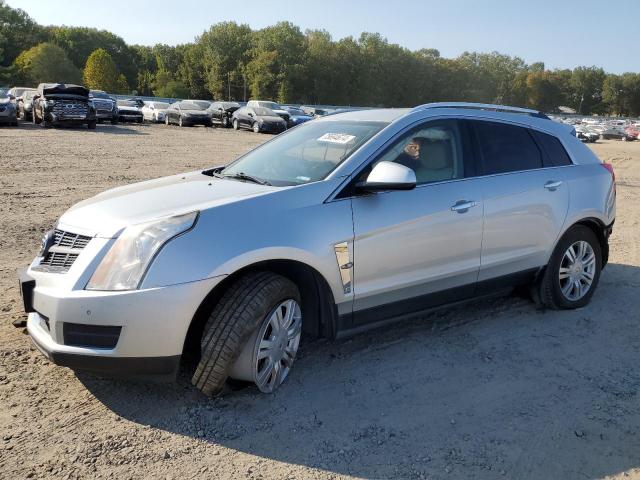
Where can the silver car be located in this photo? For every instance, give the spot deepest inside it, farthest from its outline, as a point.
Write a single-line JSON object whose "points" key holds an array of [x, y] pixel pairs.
{"points": [[338, 225]]}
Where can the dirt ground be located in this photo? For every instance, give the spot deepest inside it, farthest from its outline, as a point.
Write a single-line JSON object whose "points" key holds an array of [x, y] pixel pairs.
{"points": [[495, 389]]}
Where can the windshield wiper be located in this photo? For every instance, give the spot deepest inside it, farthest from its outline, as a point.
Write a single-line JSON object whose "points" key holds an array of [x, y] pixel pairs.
{"points": [[244, 176]]}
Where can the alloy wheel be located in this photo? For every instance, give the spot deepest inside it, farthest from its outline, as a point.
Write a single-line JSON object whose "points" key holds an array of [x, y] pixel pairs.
{"points": [[276, 345], [577, 270]]}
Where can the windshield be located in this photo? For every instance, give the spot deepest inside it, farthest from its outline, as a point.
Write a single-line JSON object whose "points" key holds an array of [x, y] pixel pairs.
{"points": [[28, 95], [127, 103], [271, 105], [228, 105], [160, 105], [99, 95], [203, 103], [307, 153], [265, 112], [192, 106]]}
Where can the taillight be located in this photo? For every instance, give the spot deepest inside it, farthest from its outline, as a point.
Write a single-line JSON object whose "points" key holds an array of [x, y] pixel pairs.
{"points": [[609, 167]]}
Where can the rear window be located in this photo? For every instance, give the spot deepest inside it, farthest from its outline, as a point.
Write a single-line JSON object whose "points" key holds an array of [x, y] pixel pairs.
{"points": [[557, 156], [506, 148]]}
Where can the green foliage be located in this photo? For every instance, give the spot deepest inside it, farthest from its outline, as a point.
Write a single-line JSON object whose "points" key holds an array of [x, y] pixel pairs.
{"points": [[100, 72], [18, 32], [282, 63], [80, 42], [46, 62]]}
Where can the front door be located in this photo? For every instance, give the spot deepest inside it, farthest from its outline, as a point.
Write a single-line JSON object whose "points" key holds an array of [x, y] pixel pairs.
{"points": [[419, 248]]}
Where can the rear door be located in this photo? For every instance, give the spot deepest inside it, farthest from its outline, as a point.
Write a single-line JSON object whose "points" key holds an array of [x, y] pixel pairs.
{"points": [[419, 248], [525, 201]]}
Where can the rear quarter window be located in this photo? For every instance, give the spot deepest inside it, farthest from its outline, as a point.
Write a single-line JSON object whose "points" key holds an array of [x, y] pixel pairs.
{"points": [[556, 154], [506, 148]]}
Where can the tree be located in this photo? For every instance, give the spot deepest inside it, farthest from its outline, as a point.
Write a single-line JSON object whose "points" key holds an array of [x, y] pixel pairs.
{"points": [[100, 72], [80, 42], [18, 32], [47, 63], [586, 83], [225, 51]]}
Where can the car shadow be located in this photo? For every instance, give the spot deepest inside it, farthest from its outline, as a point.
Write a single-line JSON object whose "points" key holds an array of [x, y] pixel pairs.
{"points": [[495, 388]]}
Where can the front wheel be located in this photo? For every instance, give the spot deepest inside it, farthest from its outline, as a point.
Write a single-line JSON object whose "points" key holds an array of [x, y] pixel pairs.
{"points": [[256, 127], [573, 272], [225, 122], [252, 334], [166, 120], [235, 124], [91, 125], [180, 124]]}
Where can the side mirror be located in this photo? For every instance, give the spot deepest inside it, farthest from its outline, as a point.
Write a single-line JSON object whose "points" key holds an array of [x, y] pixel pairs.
{"points": [[388, 176]]}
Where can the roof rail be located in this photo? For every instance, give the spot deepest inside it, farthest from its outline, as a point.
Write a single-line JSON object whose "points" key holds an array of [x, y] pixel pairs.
{"points": [[481, 106]]}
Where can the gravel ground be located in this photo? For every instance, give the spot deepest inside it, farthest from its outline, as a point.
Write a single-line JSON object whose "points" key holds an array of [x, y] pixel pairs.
{"points": [[495, 389]]}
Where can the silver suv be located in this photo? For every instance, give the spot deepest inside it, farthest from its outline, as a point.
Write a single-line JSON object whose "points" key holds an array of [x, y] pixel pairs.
{"points": [[338, 225]]}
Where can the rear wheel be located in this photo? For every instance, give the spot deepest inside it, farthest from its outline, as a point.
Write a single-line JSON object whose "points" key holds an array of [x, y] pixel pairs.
{"points": [[235, 124], [252, 334], [573, 272]]}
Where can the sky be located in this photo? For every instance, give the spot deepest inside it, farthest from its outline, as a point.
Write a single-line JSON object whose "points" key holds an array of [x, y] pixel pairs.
{"points": [[561, 33]]}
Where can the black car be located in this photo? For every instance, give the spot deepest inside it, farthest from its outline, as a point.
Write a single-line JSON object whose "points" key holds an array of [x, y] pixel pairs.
{"points": [[259, 120], [129, 111], [221, 112], [106, 107], [187, 113], [63, 104]]}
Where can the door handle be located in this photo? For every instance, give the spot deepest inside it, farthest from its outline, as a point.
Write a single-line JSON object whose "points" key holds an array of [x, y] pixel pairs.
{"points": [[463, 206], [551, 185]]}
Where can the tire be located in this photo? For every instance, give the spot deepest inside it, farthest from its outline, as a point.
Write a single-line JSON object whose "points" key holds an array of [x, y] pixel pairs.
{"points": [[180, 124], [255, 127], [225, 122], [114, 121], [91, 125], [233, 321], [235, 124], [548, 291], [166, 120]]}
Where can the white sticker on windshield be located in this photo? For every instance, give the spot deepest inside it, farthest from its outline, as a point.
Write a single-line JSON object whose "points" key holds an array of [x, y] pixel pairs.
{"points": [[341, 138]]}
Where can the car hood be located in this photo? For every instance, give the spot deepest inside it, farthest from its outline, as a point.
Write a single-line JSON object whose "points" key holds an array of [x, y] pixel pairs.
{"points": [[195, 112], [271, 119], [107, 213]]}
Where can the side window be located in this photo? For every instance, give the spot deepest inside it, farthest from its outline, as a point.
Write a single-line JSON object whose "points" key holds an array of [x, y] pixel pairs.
{"points": [[434, 151], [556, 155], [506, 148]]}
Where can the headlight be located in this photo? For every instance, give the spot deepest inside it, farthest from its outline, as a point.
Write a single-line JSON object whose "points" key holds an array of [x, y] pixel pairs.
{"points": [[126, 262]]}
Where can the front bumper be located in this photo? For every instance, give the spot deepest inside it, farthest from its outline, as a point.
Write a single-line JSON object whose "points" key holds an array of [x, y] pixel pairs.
{"points": [[152, 325], [130, 117], [62, 119], [206, 121], [8, 118]]}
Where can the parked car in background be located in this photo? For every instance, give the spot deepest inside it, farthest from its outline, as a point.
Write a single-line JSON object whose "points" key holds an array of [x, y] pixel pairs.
{"points": [[232, 265], [8, 114], [63, 104], [129, 111], [314, 111], [15, 93], [297, 116], [273, 106], [154, 111], [221, 112], [106, 106], [258, 119], [187, 113], [24, 104]]}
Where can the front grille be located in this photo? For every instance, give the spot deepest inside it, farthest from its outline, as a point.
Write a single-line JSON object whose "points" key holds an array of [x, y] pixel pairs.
{"points": [[103, 106], [63, 252], [71, 240], [70, 107], [96, 336]]}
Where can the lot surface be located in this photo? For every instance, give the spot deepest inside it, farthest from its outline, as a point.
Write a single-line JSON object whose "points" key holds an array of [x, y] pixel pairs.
{"points": [[496, 389]]}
